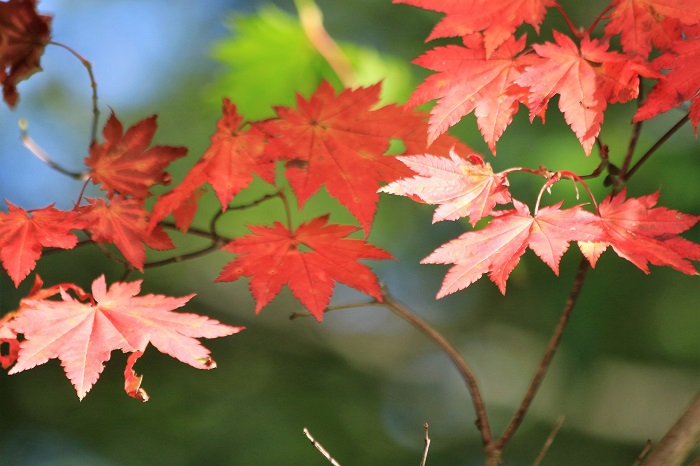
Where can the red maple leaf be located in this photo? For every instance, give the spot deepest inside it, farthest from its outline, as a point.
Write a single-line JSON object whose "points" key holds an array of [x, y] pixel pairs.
{"points": [[497, 19], [580, 79], [338, 141], [83, 334], [228, 165], [496, 249], [466, 81], [461, 187], [23, 234], [643, 23], [308, 260], [643, 234], [682, 82], [124, 164], [124, 222], [23, 35]]}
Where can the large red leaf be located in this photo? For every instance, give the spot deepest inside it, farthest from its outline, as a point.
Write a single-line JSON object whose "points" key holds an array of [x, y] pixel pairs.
{"points": [[229, 164], [467, 80], [682, 82], [83, 334], [643, 234], [23, 234], [338, 141], [124, 223], [643, 23], [125, 164], [497, 19], [496, 249], [23, 35], [309, 260], [462, 188]]}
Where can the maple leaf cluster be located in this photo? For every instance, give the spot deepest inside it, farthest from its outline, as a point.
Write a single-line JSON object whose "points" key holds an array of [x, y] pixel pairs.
{"points": [[492, 72]]}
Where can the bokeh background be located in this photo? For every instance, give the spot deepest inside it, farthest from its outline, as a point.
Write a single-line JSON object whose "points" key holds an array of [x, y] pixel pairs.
{"points": [[363, 382]]}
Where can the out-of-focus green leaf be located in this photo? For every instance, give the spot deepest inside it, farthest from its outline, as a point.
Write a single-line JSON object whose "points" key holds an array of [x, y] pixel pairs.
{"points": [[268, 59]]}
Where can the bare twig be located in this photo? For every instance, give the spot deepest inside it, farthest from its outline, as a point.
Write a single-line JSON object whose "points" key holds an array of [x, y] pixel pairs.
{"points": [[35, 149], [320, 448], [427, 445], [548, 442], [626, 175], [548, 355], [680, 440], [88, 66], [482, 422], [643, 453]]}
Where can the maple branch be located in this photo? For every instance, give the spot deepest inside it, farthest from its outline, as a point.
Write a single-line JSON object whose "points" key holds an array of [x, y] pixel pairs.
{"points": [[625, 176], [634, 137], [320, 448], [427, 445], [547, 357], [35, 149], [93, 84], [643, 453], [680, 440], [311, 19], [576, 32], [549, 441], [482, 422], [599, 18], [183, 257]]}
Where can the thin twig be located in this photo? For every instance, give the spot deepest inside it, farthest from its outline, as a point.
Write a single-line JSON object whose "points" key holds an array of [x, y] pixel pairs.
{"points": [[88, 66], [35, 149], [680, 440], [547, 357], [634, 137], [548, 442], [320, 448], [626, 175], [482, 422], [426, 445], [643, 453]]}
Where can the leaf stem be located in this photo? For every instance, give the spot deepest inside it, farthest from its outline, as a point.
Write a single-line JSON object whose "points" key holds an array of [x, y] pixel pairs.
{"points": [[626, 175], [547, 357], [93, 84], [576, 32]]}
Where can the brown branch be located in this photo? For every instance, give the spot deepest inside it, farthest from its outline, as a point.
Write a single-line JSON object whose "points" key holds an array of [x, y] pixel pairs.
{"points": [[547, 357], [626, 175], [320, 448], [680, 440], [643, 453], [482, 422], [549, 441], [426, 445]]}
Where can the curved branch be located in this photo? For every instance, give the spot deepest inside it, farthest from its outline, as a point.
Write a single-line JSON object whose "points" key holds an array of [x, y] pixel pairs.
{"points": [[547, 357], [482, 422], [680, 441]]}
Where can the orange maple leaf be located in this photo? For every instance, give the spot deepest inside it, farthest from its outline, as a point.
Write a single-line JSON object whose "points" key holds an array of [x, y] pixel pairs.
{"points": [[124, 164], [642, 234], [83, 334], [124, 222], [308, 260], [338, 141], [23, 35], [497, 20], [23, 234], [234, 156], [496, 249], [466, 81]]}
